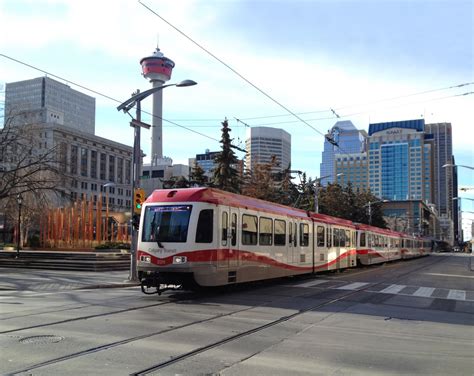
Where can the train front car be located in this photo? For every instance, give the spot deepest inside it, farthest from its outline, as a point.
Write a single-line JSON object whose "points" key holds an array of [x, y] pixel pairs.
{"points": [[166, 255], [207, 237]]}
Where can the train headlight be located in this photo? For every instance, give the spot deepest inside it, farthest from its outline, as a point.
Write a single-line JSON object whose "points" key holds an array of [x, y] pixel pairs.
{"points": [[145, 259], [180, 259]]}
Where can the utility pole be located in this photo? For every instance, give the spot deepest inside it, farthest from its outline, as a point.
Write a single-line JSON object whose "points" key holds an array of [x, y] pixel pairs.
{"points": [[135, 184]]}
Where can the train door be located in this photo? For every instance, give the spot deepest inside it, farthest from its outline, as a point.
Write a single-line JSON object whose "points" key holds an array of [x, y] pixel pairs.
{"points": [[292, 249], [228, 251], [234, 254], [321, 250], [223, 254]]}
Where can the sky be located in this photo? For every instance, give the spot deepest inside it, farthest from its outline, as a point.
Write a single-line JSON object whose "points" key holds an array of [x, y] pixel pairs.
{"points": [[371, 61]]}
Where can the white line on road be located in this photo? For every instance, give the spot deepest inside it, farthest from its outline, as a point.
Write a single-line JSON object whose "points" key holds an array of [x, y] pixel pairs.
{"points": [[312, 283], [424, 291], [353, 286], [450, 275], [457, 294], [393, 289]]}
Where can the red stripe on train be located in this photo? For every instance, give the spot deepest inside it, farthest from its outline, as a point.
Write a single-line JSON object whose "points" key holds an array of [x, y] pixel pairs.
{"points": [[214, 255]]}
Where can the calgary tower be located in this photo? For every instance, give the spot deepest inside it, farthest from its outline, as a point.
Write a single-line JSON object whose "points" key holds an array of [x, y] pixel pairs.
{"points": [[157, 68]]}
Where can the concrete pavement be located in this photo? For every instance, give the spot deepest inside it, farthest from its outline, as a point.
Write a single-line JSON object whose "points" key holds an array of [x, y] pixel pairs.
{"points": [[17, 279]]}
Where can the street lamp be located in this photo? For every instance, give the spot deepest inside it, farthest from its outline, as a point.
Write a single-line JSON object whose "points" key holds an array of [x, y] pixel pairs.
{"points": [[316, 190], [137, 124], [456, 165], [19, 200]]}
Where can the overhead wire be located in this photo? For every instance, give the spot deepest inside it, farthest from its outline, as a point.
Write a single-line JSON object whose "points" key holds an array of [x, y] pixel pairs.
{"points": [[347, 106], [231, 69], [102, 94], [326, 136]]}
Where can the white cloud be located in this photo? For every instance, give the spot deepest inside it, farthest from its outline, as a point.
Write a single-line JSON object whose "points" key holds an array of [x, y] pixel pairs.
{"points": [[102, 42]]}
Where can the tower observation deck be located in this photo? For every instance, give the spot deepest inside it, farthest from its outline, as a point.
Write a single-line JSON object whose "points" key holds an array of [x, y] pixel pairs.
{"points": [[157, 68]]}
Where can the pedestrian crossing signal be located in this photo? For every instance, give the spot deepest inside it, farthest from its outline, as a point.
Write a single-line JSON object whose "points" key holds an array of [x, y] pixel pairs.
{"points": [[138, 200]]}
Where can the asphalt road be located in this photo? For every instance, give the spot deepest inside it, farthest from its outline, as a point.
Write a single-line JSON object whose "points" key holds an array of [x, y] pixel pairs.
{"points": [[403, 318]]}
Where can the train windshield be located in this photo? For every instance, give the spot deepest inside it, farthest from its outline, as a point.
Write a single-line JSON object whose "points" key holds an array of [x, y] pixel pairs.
{"points": [[166, 223]]}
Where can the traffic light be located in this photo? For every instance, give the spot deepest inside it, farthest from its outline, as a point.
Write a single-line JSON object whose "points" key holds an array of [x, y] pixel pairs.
{"points": [[138, 200]]}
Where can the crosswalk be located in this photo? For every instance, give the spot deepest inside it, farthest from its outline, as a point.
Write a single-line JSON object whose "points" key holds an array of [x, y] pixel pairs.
{"points": [[393, 289]]}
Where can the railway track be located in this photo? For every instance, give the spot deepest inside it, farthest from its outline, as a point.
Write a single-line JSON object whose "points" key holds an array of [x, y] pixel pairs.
{"points": [[215, 344]]}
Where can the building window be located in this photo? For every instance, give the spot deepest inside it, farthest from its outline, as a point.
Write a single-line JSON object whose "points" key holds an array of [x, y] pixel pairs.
{"points": [[84, 156]]}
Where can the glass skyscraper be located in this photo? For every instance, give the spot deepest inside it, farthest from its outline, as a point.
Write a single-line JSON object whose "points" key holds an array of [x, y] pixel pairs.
{"points": [[400, 161], [350, 141]]}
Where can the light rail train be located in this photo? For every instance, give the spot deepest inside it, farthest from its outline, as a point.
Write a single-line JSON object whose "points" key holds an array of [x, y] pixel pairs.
{"points": [[208, 237]]}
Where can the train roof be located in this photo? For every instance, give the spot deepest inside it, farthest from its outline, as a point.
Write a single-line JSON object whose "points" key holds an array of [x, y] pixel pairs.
{"points": [[332, 220], [218, 197], [378, 230]]}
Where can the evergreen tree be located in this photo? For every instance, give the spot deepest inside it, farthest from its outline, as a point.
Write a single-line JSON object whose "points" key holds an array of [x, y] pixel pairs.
{"points": [[288, 191], [226, 176], [197, 176]]}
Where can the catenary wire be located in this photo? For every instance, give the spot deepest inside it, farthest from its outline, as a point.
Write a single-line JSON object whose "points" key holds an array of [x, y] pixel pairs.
{"points": [[103, 95]]}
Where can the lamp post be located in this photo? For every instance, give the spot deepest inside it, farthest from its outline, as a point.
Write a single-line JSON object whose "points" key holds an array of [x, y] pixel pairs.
{"points": [[456, 165], [19, 200], [136, 123], [316, 190]]}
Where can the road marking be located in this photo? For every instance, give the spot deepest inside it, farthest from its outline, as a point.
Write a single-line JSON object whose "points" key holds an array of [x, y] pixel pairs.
{"points": [[424, 291], [353, 286], [457, 295], [393, 289], [312, 283], [450, 275]]}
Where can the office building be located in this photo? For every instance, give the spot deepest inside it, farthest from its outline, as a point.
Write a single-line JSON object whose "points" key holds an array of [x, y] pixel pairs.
{"points": [[445, 179], [264, 143], [60, 118], [351, 168], [44, 100], [207, 162], [349, 140], [400, 165]]}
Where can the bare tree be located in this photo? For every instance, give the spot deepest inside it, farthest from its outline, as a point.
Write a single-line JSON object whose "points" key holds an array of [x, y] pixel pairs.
{"points": [[31, 169], [24, 166]]}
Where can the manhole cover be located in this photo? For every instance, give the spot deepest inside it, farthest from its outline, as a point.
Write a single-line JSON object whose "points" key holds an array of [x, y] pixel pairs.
{"points": [[42, 339]]}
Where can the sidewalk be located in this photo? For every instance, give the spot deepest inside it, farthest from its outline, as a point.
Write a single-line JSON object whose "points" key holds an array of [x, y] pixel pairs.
{"points": [[17, 279]]}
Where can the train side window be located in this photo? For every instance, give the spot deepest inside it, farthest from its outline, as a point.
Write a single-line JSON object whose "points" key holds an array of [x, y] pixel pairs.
{"points": [[280, 232], [290, 233], [295, 235], [328, 237], [265, 231], [205, 226], [233, 229], [225, 227], [304, 234], [348, 238], [335, 237], [362, 239], [342, 238], [249, 229], [320, 236]]}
